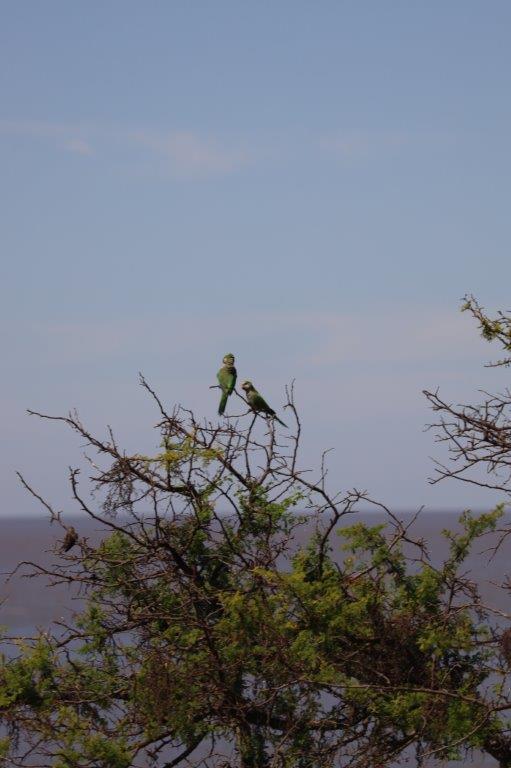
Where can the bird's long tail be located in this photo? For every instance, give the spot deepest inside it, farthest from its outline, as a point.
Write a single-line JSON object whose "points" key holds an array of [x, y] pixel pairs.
{"points": [[223, 403], [280, 422]]}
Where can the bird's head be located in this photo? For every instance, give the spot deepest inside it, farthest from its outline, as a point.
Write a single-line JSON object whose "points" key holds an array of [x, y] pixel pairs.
{"points": [[228, 359], [247, 386]]}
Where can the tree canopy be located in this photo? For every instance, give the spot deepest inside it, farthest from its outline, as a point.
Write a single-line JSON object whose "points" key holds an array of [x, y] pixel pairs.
{"points": [[238, 613]]}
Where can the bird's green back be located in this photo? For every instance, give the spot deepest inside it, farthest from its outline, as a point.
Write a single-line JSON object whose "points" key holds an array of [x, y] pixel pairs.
{"points": [[258, 402], [227, 379]]}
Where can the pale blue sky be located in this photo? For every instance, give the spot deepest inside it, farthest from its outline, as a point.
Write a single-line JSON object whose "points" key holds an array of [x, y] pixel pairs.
{"points": [[312, 186]]}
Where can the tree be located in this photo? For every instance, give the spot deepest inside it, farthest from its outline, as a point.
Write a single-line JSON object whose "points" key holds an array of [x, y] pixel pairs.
{"points": [[479, 436], [220, 627]]}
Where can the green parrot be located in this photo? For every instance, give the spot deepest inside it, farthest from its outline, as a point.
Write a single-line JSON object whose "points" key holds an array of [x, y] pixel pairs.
{"points": [[227, 379], [258, 403]]}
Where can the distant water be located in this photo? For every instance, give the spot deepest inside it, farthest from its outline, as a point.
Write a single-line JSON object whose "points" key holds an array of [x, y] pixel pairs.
{"points": [[30, 604]]}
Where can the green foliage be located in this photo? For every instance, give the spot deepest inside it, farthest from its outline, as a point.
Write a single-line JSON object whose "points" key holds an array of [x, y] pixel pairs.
{"points": [[370, 631], [492, 329], [298, 641], [473, 528]]}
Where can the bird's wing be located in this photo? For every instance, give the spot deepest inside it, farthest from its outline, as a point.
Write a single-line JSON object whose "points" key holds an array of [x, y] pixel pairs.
{"points": [[233, 375], [70, 540], [224, 379], [260, 404], [227, 381]]}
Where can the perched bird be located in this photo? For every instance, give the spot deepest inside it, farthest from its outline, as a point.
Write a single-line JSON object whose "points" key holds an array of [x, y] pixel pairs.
{"points": [[70, 539], [227, 379], [258, 403]]}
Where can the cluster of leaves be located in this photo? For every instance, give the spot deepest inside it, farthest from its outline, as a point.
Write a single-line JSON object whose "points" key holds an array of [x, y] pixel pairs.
{"points": [[492, 329]]}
